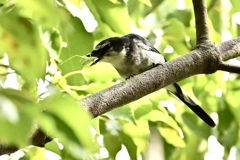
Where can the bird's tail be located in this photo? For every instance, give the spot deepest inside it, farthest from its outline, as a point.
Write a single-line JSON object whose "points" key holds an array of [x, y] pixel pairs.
{"points": [[185, 98]]}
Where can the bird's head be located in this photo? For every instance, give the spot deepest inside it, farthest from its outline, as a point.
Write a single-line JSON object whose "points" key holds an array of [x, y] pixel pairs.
{"points": [[109, 50]]}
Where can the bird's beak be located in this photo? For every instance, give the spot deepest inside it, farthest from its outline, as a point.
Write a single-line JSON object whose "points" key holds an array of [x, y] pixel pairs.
{"points": [[97, 60]]}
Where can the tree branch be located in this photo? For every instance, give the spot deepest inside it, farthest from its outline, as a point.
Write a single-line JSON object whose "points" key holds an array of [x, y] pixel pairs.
{"points": [[229, 68], [201, 21], [204, 59], [229, 49]]}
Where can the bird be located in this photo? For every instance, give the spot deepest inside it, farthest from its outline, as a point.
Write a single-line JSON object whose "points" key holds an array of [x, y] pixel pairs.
{"points": [[132, 54]]}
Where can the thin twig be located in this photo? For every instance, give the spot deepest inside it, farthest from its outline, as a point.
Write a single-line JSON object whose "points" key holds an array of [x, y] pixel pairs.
{"points": [[229, 68], [201, 20]]}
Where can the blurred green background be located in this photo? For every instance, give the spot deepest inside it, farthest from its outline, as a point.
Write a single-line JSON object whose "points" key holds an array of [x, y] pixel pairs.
{"points": [[43, 68]]}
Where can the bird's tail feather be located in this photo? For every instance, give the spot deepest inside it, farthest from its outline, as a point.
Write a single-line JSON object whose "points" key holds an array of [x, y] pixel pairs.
{"points": [[185, 98]]}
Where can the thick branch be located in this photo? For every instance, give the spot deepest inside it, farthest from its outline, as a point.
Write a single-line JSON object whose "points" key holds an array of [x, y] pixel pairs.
{"points": [[196, 62], [140, 85], [201, 20], [229, 49], [205, 59]]}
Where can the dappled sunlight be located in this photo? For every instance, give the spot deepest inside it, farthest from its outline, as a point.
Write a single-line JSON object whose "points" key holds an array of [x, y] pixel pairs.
{"points": [[46, 74]]}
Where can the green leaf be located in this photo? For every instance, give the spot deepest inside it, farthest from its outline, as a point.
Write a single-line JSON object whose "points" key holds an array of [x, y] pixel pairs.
{"points": [[79, 42], [141, 107], [226, 118], [158, 116], [179, 47], [146, 2], [121, 113], [53, 146], [215, 18], [56, 42], [67, 121], [230, 136], [128, 135], [183, 16], [14, 118], [22, 126], [114, 15], [23, 46], [3, 1], [109, 129], [44, 12], [34, 153], [172, 136], [100, 73], [174, 27], [129, 144], [192, 121], [113, 148], [235, 5], [150, 8], [233, 104], [139, 132]]}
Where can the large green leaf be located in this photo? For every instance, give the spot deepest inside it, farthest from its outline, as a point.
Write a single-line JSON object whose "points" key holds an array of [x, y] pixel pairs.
{"points": [[14, 118], [23, 45], [79, 42], [45, 12], [69, 122]]}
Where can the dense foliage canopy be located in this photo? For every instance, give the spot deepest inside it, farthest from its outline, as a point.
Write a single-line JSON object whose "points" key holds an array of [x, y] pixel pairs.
{"points": [[44, 73]]}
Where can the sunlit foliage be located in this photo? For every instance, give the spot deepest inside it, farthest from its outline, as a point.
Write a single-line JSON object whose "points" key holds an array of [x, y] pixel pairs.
{"points": [[43, 74]]}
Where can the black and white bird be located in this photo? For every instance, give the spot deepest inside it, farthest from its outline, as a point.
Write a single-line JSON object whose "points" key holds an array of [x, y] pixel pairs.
{"points": [[131, 55]]}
